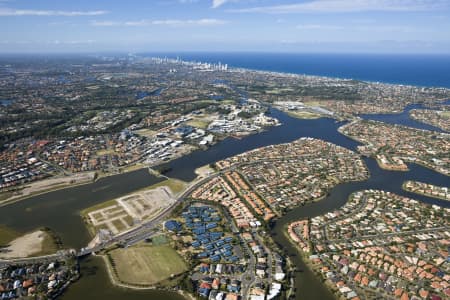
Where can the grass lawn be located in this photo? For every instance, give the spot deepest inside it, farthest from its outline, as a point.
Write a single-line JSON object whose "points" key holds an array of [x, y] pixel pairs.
{"points": [[445, 114], [175, 185], [147, 265], [159, 240], [119, 225], [7, 235], [228, 101], [5, 195], [146, 132], [48, 245], [312, 103], [304, 115], [199, 123], [106, 152]]}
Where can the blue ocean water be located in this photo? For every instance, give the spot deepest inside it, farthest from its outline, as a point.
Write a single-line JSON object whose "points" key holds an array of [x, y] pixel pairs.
{"points": [[421, 70]]}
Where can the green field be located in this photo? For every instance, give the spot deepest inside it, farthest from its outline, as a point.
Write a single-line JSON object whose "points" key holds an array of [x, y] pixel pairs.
{"points": [[147, 265], [175, 185], [48, 245], [445, 114], [304, 115], [199, 123]]}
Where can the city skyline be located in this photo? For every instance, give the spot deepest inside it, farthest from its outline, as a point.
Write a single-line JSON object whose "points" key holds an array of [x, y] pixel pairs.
{"points": [[364, 26]]}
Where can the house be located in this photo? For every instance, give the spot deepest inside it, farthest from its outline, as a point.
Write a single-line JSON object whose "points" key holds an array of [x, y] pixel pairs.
{"points": [[172, 226]]}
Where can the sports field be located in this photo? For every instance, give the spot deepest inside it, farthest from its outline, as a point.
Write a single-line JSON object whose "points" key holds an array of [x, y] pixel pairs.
{"points": [[147, 265]]}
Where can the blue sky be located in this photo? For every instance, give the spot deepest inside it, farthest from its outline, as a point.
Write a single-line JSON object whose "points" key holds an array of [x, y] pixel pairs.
{"points": [[380, 26]]}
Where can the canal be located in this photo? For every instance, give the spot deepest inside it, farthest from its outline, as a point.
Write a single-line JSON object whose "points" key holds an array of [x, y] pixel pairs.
{"points": [[59, 210]]}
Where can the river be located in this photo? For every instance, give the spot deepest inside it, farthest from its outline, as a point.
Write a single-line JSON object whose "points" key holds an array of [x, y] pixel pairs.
{"points": [[59, 210]]}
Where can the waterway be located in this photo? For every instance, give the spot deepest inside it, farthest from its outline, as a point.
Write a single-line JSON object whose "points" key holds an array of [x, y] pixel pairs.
{"points": [[403, 118], [59, 210], [290, 130], [5, 102], [96, 285]]}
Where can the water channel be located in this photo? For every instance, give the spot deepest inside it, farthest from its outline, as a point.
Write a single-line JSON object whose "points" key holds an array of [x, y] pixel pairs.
{"points": [[59, 210]]}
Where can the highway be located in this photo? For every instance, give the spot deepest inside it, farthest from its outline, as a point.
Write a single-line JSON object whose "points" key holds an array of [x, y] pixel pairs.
{"points": [[148, 229]]}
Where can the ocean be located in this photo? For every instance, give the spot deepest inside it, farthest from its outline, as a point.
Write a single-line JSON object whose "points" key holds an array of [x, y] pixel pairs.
{"points": [[421, 70]]}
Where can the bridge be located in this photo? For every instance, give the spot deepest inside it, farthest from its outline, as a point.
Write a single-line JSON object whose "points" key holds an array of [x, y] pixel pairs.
{"points": [[147, 229]]}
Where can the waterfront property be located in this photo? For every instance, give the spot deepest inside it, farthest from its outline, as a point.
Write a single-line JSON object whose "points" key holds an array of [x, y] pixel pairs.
{"points": [[37, 280], [434, 117], [380, 244], [427, 189], [287, 175], [395, 145]]}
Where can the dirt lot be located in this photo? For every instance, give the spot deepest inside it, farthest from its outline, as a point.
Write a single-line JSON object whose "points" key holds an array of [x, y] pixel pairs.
{"points": [[31, 244], [122, 213]]}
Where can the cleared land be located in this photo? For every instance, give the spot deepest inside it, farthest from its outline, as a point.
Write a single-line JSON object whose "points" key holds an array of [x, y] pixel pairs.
{"points": [[204, 171], [175, 185], [146, 265], [121, 214], [32, 244]]}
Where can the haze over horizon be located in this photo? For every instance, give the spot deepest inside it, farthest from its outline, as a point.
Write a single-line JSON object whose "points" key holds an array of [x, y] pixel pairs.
{"points": [[330, 26]]}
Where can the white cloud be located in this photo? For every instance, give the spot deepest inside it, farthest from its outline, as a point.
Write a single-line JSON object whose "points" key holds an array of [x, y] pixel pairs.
{"points": [[104, 23], [9, 12], [342, 6], [168, 22], [217, 3]]}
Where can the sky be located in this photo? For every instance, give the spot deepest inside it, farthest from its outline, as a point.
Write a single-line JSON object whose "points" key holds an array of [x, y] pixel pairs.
{"points": [[335, 26]]}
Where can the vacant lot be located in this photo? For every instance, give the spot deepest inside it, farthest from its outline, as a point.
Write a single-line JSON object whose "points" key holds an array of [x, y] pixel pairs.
{"points": [[31, 244], [122, 213], [147, 265]]}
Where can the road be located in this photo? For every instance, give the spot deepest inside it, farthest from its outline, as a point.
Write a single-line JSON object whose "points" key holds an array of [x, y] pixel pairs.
{"points": [[147, 229]]}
